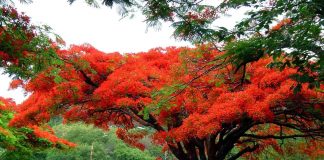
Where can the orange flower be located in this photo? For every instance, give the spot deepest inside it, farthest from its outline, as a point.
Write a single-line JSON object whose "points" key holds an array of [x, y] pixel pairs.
{"points": [[283, 22], [15, 83]]}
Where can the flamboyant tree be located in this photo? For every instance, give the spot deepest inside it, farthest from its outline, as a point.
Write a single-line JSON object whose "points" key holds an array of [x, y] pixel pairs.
{"points": [[200, 105], [203, 103]]}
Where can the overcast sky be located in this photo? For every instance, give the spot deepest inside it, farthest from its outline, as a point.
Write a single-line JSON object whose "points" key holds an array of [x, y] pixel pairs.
{"points": [[100, 27]]}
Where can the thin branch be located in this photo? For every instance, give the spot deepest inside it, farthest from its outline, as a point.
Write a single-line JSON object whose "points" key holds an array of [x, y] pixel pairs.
{"points": [[280, 137], [299, 128], [137, 118], [87, 79], [77, 68], [245, 150], [193, 79], [151, 121]]}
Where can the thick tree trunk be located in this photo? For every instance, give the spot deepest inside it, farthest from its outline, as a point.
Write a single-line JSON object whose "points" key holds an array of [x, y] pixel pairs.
{"points": [[215, 147]]}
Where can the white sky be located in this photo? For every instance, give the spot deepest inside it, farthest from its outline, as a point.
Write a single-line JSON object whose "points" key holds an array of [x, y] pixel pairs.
{"points": [[79, 23], [100, 27]]}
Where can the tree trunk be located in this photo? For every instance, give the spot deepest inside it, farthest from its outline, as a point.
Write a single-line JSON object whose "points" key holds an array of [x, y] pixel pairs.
{"points": [[215, 147], [91, 152]]}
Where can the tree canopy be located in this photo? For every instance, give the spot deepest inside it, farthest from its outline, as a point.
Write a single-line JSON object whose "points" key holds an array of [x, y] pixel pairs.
{"points": [[199, 105]]}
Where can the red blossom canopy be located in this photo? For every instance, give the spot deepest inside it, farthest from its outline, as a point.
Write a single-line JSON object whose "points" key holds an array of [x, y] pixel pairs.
{"points": [[198, 103]]}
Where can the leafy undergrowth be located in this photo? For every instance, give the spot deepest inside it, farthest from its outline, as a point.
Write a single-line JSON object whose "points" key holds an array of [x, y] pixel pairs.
{"points": [[95, 143]]}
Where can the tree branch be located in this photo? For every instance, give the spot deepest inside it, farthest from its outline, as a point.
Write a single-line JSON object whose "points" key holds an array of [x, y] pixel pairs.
{"points": [[245, 150], [87, 79], [280, 137], [77, 68], [151, 121]]}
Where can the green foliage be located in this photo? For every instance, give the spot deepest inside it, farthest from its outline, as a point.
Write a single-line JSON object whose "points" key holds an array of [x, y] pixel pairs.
{"points": [[294, 42], [167, 93], [103, 145], [245, 51], [26, 49], [122, 153], [14, 143]]}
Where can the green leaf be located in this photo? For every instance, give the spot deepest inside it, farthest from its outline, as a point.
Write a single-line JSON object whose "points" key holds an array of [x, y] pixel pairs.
{"points": [[297, 88], [1, 103], [58, 79], [219, 83]]}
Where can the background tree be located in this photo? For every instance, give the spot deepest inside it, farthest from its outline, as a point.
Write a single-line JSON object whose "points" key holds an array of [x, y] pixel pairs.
{"points": [[196, 110], [25, 49], [92, 142]]}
